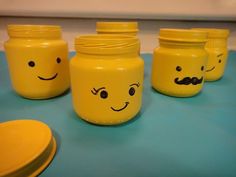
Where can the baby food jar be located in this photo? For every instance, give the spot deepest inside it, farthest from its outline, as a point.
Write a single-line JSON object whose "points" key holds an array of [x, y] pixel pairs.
{"points": [[179, 63], [107, 78], [37, 60], [123, 28], [216, 48]]}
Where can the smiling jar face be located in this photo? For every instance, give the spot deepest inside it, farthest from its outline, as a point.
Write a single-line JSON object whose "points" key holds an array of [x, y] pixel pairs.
{"points": [[217, 60], [38, 72], [216, 47], [106, 92]]}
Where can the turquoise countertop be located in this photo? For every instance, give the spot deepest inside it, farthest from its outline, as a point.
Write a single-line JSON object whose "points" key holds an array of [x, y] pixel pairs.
{"points": [[170, 137]]}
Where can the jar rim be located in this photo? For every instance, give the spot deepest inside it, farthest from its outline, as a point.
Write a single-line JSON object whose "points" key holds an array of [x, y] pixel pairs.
{"points": [[34, 31], [183, 35], [117, 27], [106, 44], [215, 32]]}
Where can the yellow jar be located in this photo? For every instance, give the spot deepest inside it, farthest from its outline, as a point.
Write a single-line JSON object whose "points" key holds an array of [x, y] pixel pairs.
{"points": [[107, 78], [123, 28], [216, 48], [37, 60], [179, 63]]}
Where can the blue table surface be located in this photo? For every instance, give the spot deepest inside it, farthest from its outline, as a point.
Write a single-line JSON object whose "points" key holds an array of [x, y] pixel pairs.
{"points": [[170, 137]]}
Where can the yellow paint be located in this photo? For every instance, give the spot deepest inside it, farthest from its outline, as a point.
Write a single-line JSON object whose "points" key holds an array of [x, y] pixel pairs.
{"points": [[181, 54], [27, 147], [105, 70], [216, 47], [38, 61], [123, 28]]}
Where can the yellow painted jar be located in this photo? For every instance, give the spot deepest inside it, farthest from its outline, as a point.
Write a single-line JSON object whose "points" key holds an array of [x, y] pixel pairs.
{"points": [[107, 78], [179, 63], [123, 28], [216, 48], [37, 60]]}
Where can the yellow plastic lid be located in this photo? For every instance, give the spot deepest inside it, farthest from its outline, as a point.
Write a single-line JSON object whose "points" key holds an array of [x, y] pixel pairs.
{"points": [[117, 27], [34, 31], [182, 35], [26, 148], [107, 44], [214, 32]]}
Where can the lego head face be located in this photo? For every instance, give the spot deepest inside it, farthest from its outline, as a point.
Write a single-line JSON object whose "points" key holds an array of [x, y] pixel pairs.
{"points": [[102, 92], [31, 63], [180, 76], [39, 73], [188, 80], [216, 65], [109, 94]]}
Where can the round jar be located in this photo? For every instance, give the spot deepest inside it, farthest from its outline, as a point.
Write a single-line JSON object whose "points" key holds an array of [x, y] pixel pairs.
{"points": [[106, 78], [216, 48], [179, 63], [123, 28], [37, 60]]}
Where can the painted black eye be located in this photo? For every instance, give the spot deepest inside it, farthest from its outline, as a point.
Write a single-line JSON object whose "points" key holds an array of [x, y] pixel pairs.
{"points": [[104, 94], [58, 60], [219, 61], [31, 63], [178, 68], [202, 68], [131, 91]]}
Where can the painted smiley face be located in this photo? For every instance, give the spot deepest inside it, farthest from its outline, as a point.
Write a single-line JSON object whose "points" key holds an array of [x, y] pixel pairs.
{"points": [[219, 61], [104, 95], [188, 80], [31, 63]]}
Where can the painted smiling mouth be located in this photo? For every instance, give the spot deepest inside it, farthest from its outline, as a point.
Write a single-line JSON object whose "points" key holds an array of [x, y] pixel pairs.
{"points": [[188, 80], [210, 69], [126, 104], [48, 79]]}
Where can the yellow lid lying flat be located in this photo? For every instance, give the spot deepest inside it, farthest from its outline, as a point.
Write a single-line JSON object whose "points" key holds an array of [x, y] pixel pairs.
{"points": [[117, 27], [182, 35], [26, 147], [215, 33]]}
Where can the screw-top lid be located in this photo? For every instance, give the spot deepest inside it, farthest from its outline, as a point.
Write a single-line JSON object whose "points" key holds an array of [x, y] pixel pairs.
{"points": [[34, 31], [27, 147], [182, 35], [107, 44], [117, 27], [214, 33]]}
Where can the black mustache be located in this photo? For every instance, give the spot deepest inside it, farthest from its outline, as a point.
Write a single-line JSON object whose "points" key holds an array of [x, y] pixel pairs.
{"points": [[189, 80]]}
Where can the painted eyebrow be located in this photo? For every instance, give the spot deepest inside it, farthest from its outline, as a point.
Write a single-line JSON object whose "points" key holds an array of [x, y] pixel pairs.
{"points": [[95, 91], [220, 55], [136, 84]]}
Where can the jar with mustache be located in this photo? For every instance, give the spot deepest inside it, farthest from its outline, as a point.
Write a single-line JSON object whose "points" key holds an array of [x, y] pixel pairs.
{"points": [[179, 64]]}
